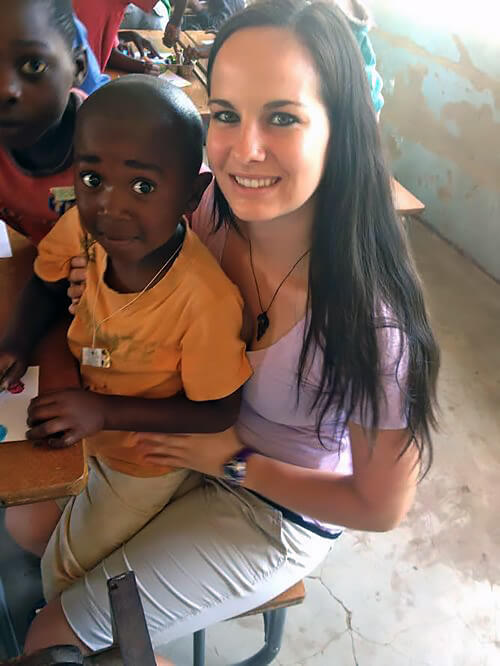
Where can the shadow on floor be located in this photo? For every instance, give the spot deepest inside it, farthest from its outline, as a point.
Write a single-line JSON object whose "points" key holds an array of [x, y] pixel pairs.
{"points": [[20, 574]]}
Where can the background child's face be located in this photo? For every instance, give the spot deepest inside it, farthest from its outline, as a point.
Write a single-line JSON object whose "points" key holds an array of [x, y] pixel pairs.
{"points": [[131, 189], [36, 73]]}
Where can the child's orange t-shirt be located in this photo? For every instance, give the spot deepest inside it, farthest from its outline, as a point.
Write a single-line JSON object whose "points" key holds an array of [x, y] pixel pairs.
{"points": [[183, 334]]}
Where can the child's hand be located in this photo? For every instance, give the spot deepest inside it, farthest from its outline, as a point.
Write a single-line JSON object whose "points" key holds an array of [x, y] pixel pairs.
{"points": [[12, 367], [77, 277], [172, 34], [152, 69], [143, 45], [65, 416]]}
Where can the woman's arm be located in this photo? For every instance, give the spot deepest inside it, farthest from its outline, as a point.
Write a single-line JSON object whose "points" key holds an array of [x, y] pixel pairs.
{"points": [[375, 497]]}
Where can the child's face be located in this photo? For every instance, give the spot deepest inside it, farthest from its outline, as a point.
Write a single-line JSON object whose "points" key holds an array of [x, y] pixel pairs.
{"points": [[131, 189], [36, 74]]}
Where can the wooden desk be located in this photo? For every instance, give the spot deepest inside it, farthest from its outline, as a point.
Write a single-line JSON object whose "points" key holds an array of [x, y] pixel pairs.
{"points": [[404, 201], [196, 91], [29, 473], [196, 38]]}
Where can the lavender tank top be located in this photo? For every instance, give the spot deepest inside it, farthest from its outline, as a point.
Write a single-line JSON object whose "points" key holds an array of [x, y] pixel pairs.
{"points": [[271, 419]]}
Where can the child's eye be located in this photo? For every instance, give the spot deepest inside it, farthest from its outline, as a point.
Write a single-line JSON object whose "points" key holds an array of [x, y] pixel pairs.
{"points": [[90, 179], [225, 116], [34, 66], [143, 187], [282, 119]]}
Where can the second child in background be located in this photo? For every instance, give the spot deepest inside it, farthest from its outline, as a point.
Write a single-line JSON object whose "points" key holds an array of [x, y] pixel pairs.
{"points": [[361, 22], [211, 15], [157, 332], [40, 68], [102, 19]]}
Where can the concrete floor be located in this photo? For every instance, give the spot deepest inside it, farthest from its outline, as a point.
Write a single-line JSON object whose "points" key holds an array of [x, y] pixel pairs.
{"points": [[428, 593]]}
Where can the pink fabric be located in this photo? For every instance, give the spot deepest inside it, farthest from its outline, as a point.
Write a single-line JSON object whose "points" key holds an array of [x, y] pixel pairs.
{"points": [[102, 18]]}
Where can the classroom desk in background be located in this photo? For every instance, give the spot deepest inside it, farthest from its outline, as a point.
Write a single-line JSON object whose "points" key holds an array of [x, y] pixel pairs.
{"points": [[405, 202], [29, 473], [196, 91]]}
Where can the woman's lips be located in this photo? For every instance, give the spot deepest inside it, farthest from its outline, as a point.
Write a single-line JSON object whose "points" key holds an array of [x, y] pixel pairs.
{"points": [[255, 182]]}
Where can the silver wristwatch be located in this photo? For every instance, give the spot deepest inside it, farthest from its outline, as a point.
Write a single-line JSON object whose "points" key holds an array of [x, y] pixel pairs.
{"points": [[235, 469]]}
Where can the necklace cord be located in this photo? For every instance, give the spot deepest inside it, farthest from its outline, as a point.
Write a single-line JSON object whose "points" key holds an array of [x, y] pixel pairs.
{"points": [[266, 310], [96, 325]]}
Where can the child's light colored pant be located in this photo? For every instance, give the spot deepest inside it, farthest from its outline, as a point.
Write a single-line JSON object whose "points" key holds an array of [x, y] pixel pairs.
{"points": [[112, 508]]}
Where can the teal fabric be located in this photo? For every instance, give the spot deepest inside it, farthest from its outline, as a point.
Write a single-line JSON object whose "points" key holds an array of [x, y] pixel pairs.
{"points": [[370, 60]]}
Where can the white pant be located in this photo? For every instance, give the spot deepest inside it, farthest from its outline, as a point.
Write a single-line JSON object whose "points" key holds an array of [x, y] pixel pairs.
{"points": [[212, 554]]}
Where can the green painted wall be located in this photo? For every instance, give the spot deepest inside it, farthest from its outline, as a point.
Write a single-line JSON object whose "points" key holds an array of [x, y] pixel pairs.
{"points": [[440, 62]]}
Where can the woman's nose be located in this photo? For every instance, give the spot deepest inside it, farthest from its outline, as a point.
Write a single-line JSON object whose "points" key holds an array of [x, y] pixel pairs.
{"points": [[249, 145]]}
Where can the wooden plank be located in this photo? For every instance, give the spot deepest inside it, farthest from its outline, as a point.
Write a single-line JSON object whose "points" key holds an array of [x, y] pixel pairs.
{"points": [[29, 473], [294, 596], [405, 202]]}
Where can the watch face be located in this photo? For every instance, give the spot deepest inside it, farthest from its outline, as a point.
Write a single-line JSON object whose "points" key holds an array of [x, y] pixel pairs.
{"points": [[235, 470]]}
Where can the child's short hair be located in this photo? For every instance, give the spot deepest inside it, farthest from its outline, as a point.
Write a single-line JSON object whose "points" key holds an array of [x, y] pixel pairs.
{"points": [[61, 16], [145, 96]]}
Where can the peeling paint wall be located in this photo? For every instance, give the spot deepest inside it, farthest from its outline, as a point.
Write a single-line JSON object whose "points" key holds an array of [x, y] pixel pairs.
{"points": [[440, 61]]}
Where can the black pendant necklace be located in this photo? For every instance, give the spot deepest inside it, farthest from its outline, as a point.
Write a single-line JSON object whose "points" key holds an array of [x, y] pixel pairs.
{"points": [[263, 318]]}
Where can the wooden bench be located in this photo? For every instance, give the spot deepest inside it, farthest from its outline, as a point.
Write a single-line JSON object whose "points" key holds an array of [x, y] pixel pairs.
{"points": [[274, 615]]}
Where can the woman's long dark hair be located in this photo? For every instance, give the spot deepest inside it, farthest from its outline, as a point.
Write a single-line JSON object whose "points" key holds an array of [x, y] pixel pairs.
{"points": [[361, 276]]}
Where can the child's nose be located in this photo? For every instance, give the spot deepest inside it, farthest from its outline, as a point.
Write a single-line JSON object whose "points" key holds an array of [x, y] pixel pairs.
{"points": [[109, 201], [10, 88]]}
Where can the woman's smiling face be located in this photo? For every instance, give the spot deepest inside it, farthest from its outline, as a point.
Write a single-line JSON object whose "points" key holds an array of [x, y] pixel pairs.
{"points": [[269, 130]]}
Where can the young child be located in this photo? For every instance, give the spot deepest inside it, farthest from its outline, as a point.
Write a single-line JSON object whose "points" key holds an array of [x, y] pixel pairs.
{"points": [[39, 68], [212, 15], [95, 78], [102, 19], [361, 23], [157, 332]]}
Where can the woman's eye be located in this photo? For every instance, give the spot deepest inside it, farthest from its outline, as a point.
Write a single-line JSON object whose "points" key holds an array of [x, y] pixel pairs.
{"points": [[283, 119], [91, 180], [34, 66], [143, 187], [226, 116]]}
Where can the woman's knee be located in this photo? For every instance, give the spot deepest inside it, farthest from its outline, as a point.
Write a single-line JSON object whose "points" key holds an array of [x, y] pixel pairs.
{"points": [[31, 525]]}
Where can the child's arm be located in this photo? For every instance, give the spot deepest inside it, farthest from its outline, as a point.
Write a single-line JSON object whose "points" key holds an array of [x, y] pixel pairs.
{"points": [[80, 413], [125, 63], [39, 306]]}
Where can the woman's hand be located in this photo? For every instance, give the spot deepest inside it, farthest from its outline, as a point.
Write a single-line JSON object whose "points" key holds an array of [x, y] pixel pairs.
{"points": [[65, 416], [77, 277], [202, 453]]}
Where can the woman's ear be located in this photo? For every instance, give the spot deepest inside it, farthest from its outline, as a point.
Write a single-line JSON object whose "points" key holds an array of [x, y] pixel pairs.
{"points": [[200, 184], [81, 65]]}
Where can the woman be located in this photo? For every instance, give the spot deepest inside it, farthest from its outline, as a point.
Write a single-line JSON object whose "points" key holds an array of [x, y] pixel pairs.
{"points": [[335, 424]]}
